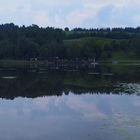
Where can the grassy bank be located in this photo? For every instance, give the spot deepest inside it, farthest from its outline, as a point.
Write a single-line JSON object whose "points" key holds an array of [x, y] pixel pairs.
{"points": [[15, 63], [21, 63]]}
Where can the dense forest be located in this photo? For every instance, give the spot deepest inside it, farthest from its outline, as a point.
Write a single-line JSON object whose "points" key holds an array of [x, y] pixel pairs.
{"points": [[24, 43]]}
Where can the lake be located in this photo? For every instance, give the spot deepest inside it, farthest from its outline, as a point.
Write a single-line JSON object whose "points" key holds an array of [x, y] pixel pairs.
{"points": [[102, 103]]}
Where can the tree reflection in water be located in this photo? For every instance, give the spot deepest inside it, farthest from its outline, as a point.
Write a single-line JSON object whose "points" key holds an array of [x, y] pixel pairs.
{"points": [[109, 80]]}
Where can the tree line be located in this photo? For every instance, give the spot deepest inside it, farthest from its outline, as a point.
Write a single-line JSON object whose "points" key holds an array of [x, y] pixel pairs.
{"points": [[49, 43]]}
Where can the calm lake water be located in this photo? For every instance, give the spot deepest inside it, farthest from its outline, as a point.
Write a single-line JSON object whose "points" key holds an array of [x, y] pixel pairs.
{"points": [[96, 104]]}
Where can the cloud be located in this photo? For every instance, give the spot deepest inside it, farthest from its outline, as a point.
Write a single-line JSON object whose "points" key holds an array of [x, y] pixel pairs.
{"points": [[71, 13]]}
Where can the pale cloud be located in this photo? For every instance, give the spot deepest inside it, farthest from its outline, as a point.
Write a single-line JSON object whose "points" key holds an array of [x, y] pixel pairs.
{"points": [[71, 13], [89, 111]]}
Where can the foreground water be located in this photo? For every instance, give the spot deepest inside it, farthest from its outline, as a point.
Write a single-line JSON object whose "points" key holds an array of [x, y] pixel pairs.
{"points": [[101, 104]]}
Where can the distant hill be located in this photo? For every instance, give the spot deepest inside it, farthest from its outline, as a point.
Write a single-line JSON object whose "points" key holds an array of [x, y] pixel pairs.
{"points": [[24, 43]]}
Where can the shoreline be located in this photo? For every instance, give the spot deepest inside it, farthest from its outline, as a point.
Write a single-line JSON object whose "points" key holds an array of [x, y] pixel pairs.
{"points": [[67, 63]]}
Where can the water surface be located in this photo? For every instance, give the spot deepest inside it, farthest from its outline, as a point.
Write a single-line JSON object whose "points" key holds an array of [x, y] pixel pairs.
{"points": [[70, 105]]}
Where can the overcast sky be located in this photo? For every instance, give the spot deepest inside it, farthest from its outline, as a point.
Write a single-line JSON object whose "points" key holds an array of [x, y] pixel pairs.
{"points": [[71, 13]]}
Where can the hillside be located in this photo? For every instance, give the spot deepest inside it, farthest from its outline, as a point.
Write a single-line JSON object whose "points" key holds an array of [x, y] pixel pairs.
{"points": [[117, 49], [25, 43]]}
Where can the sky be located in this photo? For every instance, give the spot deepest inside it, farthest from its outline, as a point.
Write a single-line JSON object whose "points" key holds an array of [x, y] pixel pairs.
{"points": [[71, 13]]}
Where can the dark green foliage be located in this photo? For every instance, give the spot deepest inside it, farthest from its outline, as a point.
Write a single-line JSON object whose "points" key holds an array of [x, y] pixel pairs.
{"points": [[49, 43], [27, 42]]}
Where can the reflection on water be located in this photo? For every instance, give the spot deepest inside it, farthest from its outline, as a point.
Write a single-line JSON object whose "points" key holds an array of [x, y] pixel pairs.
{"points": [[75, 117], [9, 77], [70, 105], [103, 80], [130, 88]]}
